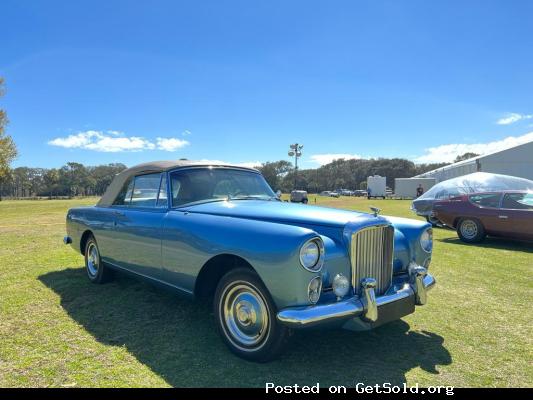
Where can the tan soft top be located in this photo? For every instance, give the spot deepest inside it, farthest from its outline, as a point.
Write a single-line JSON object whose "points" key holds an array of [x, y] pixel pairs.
{"points": [[156, 166]]}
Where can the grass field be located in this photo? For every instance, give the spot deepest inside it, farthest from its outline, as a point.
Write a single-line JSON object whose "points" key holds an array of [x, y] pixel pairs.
{"points": [[57, 329]]}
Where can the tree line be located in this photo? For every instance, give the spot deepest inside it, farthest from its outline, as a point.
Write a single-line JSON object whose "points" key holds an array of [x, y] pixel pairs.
{"points": [[75, 179], [340, 174], [72, 179]]}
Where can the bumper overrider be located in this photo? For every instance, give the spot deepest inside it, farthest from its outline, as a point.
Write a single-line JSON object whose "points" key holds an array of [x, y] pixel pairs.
{"points": [[366, 307]]}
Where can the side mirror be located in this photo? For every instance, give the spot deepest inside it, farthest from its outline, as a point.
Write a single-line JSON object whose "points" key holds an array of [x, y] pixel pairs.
{"points": [[278, 193]]}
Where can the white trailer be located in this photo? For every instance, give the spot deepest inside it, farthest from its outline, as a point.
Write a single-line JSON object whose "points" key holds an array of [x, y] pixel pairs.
{"points": [[376, 186], [405, 188]]}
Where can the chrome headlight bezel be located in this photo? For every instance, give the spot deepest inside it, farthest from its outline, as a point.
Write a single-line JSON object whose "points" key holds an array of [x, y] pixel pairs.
{"points": [[315, 264], [426, 240]]}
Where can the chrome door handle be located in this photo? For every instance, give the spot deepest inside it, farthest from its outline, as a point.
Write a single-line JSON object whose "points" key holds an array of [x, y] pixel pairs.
{"points": [[502, 216]]}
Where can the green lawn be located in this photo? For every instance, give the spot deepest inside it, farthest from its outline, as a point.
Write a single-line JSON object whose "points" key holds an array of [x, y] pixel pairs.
{"points": [[57, 329]]}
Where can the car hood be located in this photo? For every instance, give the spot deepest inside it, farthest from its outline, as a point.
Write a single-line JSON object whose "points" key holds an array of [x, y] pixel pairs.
{"points": [[277, 211]]}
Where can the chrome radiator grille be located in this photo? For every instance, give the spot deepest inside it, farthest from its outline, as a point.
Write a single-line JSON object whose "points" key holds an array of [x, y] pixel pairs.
{"points": [[371, 256]]}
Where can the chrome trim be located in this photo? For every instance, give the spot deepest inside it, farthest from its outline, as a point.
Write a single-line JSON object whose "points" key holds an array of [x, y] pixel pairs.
{"points": [[67, 240], [320, 262], [430, 231], [369, 300], [371, 256], [308, 316], [418, 274], [319, 288]]}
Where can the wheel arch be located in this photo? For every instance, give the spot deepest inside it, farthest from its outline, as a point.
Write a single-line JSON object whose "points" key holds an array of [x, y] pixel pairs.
{"points": [[84, 237], [214, 269]]}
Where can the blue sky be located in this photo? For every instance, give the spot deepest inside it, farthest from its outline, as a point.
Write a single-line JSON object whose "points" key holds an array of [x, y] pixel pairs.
{"points": [[238, 81]]}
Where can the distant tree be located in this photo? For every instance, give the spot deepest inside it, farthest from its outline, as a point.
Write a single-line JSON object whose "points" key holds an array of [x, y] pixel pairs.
{"points": [[8, 150], [274, 171], [102, 175], [422, 168], [465, 156], [51, 182], [73, 177]]}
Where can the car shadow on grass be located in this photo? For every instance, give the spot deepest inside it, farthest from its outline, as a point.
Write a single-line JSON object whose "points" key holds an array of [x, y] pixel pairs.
{"points": [[493, 243], [176, 338]]}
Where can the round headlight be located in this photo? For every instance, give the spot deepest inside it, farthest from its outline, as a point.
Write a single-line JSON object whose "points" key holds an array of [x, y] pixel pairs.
{"points": [[341, 285], [314, 289], [426, 240], [311, 255]]}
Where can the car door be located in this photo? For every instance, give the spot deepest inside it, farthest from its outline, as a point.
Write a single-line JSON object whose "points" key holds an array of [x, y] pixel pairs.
{"points": [[138, 225], [487, 210], [516, 215]]}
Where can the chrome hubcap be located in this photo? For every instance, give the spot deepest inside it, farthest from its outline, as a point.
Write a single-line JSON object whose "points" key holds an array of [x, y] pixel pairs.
{"points": [[92, 259], [245, 316], [469, 229]]}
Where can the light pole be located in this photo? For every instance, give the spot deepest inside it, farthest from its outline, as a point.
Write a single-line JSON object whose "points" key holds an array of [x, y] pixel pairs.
{"points": [[295, 150]]}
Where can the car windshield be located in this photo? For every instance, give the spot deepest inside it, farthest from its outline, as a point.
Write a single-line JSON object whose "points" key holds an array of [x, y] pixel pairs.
{"points": [[215, 184]]}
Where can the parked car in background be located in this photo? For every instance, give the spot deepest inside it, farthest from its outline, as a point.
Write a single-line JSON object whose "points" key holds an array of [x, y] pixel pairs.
{"points": [[360, 193], [328, 193], [506, 214], [471, 183], [219, 231], [299, 196]]}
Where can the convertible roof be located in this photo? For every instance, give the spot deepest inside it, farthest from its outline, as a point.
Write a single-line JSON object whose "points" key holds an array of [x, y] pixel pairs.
{"points": [[156, 166]]}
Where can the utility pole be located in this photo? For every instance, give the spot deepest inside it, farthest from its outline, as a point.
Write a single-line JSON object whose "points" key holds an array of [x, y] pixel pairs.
{"points": [[295, 150]]}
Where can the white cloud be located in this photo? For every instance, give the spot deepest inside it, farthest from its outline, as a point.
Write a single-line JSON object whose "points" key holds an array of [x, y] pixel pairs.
{"points": [[323, 159], [448, 152], [170, 144], [511, 118], [248, 164], [115, 141]]}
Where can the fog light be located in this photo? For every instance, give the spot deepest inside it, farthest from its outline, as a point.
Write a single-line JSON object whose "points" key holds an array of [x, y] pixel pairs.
{"points": [[341, 285], [314, 289]]}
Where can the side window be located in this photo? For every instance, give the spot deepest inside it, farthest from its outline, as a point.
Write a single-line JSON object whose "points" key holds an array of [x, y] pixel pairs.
{"points": [[486, 200], [518, 201], [124, 196], [162, 199], [145, 190]]}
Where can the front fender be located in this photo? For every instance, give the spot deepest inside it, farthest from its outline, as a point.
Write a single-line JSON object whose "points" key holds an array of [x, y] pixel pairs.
{"points": [[272, 249]]}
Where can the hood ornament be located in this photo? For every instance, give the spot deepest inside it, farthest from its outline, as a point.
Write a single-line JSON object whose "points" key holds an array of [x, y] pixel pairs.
{"points": [[375, 210]]}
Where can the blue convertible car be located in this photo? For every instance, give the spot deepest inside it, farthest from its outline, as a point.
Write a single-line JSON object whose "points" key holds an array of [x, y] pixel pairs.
{"points": [[271, 266]]}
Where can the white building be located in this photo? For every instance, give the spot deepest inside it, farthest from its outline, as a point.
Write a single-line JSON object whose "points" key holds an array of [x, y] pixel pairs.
{"points": [[515, 161]]}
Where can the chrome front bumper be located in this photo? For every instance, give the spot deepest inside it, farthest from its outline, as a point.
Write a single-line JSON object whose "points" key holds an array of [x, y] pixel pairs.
{"points": [[366, 306]]}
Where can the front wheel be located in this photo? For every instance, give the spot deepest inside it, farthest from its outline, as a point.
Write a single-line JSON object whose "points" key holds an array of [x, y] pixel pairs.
{"points": [[470, 230], [305, 201], [246, 317]]}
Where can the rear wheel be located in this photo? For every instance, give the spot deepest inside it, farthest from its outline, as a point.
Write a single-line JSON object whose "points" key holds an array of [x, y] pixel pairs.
{"points": [[246, 317], [470, 230], [304, 201], [96, 270]]}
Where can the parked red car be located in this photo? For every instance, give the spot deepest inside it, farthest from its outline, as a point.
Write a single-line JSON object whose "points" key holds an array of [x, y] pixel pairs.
{"points": [[506, 214]]}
